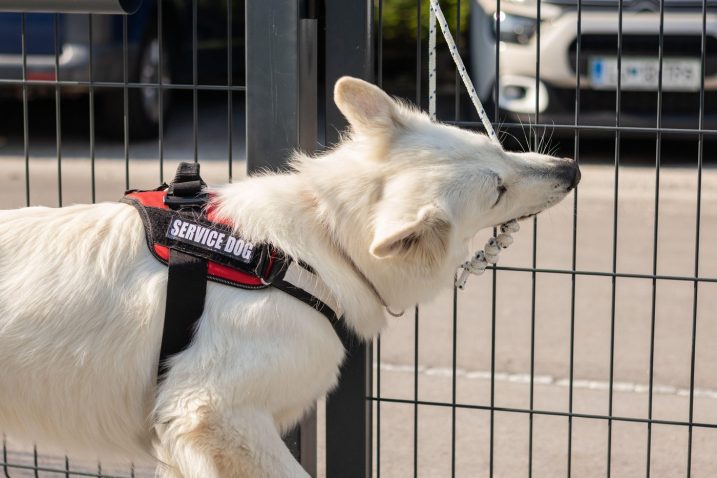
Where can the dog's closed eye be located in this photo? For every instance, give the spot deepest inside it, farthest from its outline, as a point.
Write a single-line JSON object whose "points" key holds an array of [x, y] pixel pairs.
{"points": [[501, 191]]}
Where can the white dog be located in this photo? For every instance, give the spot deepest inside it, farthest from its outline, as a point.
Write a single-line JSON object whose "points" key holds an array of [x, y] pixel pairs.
{"points": [[386, 216]]}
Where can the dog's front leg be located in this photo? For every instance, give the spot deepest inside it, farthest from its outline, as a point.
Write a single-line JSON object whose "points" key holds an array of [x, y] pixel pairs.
{"points": [[241, 443]]}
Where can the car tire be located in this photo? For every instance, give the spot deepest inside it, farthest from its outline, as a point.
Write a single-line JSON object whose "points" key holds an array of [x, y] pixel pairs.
{"points": [[142, 103]]}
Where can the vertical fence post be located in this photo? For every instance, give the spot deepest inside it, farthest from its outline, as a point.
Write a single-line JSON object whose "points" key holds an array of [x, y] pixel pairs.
{"points": [[348, 50], [272, 93], [281, 112], [307, 141]]}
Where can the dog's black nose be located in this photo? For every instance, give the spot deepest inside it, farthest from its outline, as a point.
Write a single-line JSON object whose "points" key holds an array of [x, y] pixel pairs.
{"points": [[575, 175], [569, 172]]}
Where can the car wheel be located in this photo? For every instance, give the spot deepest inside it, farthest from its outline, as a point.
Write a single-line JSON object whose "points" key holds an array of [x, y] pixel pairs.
{"points": [[149, 70], [142, 103]]}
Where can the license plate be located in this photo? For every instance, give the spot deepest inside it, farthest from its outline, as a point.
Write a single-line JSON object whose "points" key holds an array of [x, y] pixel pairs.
{"points": [[678, 74]]}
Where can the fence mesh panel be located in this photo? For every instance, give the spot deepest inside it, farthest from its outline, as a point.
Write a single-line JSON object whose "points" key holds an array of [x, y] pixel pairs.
{"points": [[97, 92], [586, 352], [579, 354]]}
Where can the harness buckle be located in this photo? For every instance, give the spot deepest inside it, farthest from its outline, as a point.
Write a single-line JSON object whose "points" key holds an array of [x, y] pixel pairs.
{"points": [[275, 269]]}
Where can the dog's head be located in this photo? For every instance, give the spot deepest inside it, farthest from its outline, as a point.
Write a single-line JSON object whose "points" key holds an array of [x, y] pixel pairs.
{"points": [[442, 184]]}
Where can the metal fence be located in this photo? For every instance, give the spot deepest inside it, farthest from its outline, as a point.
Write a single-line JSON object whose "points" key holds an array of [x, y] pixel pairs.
{"points": [[470, 420], [111, 78], [109, 72], [385, 415]]}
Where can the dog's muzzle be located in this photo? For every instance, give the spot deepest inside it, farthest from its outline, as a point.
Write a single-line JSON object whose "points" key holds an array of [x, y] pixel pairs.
{"points": [[570, 173]]}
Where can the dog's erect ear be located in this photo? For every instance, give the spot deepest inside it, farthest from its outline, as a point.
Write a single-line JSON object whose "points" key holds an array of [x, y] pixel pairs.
{"points": [[426, 236], [367, 107]]}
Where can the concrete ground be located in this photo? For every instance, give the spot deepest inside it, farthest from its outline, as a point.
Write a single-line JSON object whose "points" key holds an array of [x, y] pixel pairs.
{"points": [[674, 306]]}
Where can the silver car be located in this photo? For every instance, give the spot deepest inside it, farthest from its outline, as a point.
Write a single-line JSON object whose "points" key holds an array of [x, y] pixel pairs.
{"points": [[554, 96]]}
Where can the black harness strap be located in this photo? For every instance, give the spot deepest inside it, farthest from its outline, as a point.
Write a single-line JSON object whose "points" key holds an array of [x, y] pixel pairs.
{"points": [[307, 298], [186, 290], [187, 276]]}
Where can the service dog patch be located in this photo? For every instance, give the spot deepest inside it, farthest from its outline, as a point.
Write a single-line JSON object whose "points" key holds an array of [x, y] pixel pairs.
{"points": [[232, 259], [210, 239]]}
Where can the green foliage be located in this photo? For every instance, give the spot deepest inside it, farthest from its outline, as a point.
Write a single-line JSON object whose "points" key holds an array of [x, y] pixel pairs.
{"points": [[400, 18]]}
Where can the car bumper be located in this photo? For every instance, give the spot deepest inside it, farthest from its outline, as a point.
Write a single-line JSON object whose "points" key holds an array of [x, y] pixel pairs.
{"points": [[638, 109], [73, 65]]}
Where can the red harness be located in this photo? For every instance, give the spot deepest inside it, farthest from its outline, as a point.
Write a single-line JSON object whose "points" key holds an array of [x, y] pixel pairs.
{"points": [[182, 231], [219, 272]]}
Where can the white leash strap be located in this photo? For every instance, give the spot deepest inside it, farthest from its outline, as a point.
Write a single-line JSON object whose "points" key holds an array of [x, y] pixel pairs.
{"points": [[436, 10], [432, 65], [489, 255]]}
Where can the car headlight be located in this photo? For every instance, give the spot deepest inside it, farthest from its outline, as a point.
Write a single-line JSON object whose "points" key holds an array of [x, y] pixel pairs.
{"points": [[514, 28]]}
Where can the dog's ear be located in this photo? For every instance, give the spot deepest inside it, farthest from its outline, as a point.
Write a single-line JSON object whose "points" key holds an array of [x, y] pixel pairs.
{"points": [[426, 236], [367, 107]]}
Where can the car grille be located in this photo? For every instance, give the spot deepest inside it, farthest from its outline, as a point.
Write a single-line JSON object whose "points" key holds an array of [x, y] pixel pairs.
{"points": [[644, 45], [635, 103]]}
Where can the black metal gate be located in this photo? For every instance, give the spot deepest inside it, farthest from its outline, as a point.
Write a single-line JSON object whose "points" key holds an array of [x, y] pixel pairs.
{"points": [[95, 88], [492, 417], [114, 72]]}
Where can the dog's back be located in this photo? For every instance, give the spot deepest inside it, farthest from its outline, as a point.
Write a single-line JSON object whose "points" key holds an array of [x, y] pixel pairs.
{"points": [[71, 267]]}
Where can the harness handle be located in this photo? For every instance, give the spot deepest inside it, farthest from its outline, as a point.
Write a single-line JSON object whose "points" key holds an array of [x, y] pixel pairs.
{"points": [[187, 188]]}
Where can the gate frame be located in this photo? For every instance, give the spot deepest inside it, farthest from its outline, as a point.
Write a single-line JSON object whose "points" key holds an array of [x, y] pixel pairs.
{"points": [[348, 50], [312, 45], [281, 97]]}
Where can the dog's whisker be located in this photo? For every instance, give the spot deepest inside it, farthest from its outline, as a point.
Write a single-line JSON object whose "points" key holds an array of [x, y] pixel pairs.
{"points": [[522, 127], [533, 134], [506, 133], [554, 150], [542, 140], [529, 136], [518, 140], [550, 138]]}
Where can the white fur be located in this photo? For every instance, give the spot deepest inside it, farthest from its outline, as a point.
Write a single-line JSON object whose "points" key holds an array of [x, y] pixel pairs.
{"points": [[82, 299]]}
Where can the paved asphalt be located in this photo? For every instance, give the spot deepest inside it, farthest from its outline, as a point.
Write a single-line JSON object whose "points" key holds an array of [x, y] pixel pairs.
{"points": [[595, 315]]}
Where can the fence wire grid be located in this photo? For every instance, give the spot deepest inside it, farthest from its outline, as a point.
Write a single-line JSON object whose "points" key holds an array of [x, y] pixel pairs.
{"points": [[414, 402], [130, 68], [401, 407]]}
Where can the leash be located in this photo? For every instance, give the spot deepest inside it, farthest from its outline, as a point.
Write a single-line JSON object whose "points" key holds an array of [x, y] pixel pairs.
{"points": [[489, 255], [437, 15]]}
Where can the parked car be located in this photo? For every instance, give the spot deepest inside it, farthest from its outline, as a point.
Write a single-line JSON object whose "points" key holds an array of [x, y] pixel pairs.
{"points": [[597, 61], [143, 56]]}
